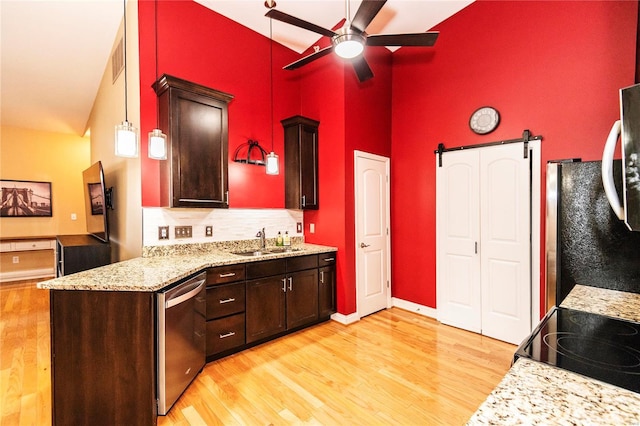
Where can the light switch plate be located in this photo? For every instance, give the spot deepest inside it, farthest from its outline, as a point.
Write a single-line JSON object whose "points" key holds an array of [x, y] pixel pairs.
{"points": [[299, 227], [183, 231]]}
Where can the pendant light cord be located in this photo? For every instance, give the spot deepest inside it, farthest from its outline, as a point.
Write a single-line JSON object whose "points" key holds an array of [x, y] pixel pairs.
{"points": [[271, 74], [156, 40], [126, 117]]}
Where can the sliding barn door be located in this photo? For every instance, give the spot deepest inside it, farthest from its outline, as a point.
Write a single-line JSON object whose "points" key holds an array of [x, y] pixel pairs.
{"points": [[458, 233], [483, 239]]}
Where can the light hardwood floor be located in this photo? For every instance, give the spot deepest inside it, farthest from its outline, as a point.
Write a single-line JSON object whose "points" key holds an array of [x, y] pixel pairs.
{"points": [[392, 367]]}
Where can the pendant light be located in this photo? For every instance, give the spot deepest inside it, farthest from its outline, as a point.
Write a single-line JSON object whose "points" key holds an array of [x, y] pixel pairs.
{"points": [[273, 168], [157, 139], [126, 133]]}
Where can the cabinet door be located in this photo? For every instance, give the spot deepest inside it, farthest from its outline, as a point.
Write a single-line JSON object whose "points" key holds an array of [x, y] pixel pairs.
{"points": [[196, 121], [301, 163], [199, 151], [327, 291], [309, 167], [302, 298], [265, 309]]}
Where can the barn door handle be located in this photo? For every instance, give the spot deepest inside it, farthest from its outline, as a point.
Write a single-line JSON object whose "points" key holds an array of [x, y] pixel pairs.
{"points": [[363, 245]]}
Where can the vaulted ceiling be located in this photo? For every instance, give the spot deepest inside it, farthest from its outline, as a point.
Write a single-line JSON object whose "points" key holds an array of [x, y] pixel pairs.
{"points": [[54, 53]]}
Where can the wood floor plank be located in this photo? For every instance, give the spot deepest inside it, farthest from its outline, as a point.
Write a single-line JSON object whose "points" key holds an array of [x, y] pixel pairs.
{"points": [[393, 368]]}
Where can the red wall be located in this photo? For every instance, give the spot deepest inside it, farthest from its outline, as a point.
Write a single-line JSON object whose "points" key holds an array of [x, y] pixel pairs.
{"points": [[202, 46], [552, 67]]}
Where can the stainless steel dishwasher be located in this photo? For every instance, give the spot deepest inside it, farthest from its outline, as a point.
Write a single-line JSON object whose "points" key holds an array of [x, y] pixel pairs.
{"points": [[181, 338]]}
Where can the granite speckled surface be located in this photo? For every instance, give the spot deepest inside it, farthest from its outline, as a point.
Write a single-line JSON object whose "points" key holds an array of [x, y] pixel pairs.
{"points": [[537, 393], [612, 303], [534, 393], [155, 272]]}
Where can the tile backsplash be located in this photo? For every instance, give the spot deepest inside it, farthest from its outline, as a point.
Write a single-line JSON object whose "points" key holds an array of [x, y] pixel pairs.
{"points": [[228, 224]]}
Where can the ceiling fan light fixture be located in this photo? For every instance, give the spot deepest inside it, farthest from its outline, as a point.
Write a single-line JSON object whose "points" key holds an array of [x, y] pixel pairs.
{"points": [[348, 44]]}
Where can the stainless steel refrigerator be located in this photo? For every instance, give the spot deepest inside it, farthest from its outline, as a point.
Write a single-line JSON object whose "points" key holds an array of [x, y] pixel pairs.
{"points": [[586, 243]]}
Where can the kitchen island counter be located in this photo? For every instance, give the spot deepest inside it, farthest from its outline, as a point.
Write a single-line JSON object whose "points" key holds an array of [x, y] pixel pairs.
{"points": [[153, 273], [537, 393]]}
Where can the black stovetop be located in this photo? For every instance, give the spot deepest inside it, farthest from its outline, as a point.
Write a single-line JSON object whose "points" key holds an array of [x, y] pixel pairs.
{"points": [[595, 346]]}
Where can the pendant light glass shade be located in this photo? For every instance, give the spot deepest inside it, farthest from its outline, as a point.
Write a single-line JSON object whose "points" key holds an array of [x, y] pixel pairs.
{"points": [[157, 145], [126, 140], [273, 168]]}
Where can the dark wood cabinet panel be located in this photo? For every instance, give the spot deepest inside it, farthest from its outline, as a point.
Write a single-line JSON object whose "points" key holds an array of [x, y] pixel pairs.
{"points": [[301, 163], [77, 253], [225, 274], [266, 268], [326, 291], [225, 299], [302, 298], [103, 358], [195, 119], [225, 333], [299, 263], [265, 310]]}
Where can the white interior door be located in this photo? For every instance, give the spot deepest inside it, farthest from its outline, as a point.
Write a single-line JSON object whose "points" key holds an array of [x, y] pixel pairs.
{"points": [[372, 233], [458, 230], [484, 241], [505, 243]]}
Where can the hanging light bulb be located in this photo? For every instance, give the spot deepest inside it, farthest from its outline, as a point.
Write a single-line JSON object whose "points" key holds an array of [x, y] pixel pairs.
{"points": [[126, 133], [157, 140], [273, 166]]}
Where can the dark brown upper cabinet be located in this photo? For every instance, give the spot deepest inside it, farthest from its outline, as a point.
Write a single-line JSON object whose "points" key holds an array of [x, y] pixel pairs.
{"points": [[301, 163], [196, 121]]}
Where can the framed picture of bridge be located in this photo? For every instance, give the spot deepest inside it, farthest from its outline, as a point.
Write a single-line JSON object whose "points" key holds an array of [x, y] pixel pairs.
{"points": [[24, 198]]}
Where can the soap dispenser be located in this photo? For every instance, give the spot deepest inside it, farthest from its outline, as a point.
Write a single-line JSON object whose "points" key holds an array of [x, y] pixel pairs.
{"points": [[279, 239], [287, 239]]}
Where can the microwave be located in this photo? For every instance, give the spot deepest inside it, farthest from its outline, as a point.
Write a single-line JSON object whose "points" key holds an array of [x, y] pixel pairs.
{"points": [[627, 129]]}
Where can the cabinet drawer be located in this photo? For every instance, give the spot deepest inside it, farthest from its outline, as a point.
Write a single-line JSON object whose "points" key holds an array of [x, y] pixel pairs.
{"points": [[266, 268], [302, 262], [5, 247], [33, 245], [326, 259], [225, 333], [223, 300], [225, 274]]}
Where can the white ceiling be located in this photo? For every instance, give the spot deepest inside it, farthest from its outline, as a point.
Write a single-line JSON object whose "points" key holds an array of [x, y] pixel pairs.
{"points": [[53, 53]]}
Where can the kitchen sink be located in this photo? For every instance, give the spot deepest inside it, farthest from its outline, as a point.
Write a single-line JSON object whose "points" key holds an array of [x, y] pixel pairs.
{"points": [[266, 251]]}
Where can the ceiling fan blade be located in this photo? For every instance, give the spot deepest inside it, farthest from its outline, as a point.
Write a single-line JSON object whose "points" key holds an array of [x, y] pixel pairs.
{"points": [[418, 39], [281, 16], [312, 57], [362, 69], [366, 12]]}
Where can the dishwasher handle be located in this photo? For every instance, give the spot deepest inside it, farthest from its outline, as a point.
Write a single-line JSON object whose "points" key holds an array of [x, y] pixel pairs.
{"points": [[186, 293]]}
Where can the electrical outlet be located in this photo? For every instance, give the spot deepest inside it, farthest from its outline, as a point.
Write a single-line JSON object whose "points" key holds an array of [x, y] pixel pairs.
{"points": [[299, 227], [312, 228], [208, 231], [183, 231], [16, 259], [163, 232]]}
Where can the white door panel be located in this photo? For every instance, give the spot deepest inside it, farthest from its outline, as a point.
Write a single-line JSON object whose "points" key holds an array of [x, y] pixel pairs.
{"points": [[483, 233], [458, 230], [372, 237]]}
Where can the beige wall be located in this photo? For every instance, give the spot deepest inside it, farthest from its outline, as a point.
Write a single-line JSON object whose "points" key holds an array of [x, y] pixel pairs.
{"points": [[49, 157], [123, 174]]}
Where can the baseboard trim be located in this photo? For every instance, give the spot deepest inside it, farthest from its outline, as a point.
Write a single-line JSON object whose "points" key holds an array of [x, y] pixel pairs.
{"points": [[414, 307], [30, 274], [345, 319]]}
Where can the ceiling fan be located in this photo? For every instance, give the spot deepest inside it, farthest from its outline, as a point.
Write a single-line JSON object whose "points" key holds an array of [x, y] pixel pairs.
{"points": [[349, 41]]}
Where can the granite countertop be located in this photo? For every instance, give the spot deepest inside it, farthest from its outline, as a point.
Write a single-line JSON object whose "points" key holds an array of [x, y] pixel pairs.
{"points": [[536, 393], [154, 272]]}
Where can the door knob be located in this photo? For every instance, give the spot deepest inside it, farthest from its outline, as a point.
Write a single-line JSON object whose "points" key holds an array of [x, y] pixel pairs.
{"points": [[363, 245]]}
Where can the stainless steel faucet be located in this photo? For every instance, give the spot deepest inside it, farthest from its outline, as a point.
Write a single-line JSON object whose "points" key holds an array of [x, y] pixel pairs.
{"points": [[263, 239]]}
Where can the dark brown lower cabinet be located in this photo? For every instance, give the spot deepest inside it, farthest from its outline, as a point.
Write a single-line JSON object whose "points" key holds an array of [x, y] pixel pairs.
{"points": [[103, 358], [327, 291], [265, 308], [302, 298]]}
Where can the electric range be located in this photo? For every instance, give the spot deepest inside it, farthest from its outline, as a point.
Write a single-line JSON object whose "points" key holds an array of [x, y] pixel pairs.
{"points": [[596, 346]]}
